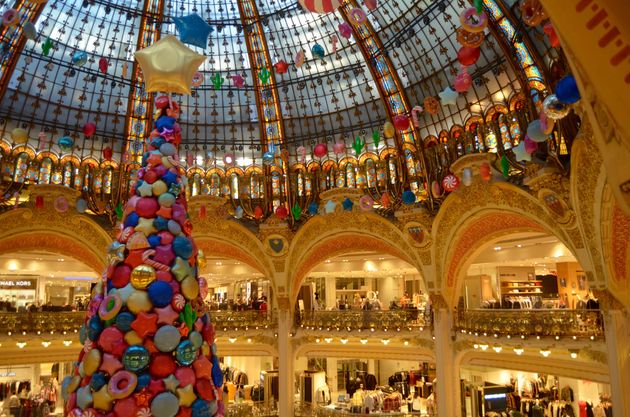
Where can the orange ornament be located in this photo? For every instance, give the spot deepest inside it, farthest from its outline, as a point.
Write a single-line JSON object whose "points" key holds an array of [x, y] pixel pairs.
{"points": [[431, 105], [470, 39]]}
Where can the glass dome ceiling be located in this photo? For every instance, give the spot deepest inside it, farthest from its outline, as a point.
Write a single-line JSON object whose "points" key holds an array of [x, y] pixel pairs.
{"points": [[343, 95]]}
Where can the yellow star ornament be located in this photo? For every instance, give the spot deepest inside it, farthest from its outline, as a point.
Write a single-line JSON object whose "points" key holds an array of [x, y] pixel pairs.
{"points": [[168, 66], [186, 395]]}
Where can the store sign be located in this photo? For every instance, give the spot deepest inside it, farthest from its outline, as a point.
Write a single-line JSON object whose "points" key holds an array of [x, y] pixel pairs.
{"points": [[17, 284], [7, 374]]}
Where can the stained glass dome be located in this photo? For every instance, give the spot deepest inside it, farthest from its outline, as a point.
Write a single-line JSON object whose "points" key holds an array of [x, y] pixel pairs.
{"points": [[256, 139]]}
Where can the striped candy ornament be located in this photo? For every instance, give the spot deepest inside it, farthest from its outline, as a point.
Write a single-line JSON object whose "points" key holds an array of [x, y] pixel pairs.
{"points": [[321, 6]]}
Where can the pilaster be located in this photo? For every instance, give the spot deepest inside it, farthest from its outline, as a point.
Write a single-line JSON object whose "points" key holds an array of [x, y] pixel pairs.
{"points": [[447, 385]]}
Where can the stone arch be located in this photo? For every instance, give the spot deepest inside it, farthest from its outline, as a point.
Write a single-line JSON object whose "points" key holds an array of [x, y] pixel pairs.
{"points": [[483, 212], [335, 234]]}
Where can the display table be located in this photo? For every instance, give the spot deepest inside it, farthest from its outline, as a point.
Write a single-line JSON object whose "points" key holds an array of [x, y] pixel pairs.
{"points": [[342, 410]]}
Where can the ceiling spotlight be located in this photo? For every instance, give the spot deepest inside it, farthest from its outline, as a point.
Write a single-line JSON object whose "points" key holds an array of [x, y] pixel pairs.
{"points": [[406, 343], [21, 344], [497, 348], [476, 346], [249, 340], [363, 341], [385, 341], [46, 343], [545, 352], [232, 339], [574, 353], [328, 339], [519, 350], [317, 340], [67, 342], [497, 248], [343, 340], [483, 346]]}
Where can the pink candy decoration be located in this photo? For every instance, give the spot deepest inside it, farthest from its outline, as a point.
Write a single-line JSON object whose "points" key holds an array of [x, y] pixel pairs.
{"points": [[463, 80], [345, 30], [530, 145], [414, 115]]}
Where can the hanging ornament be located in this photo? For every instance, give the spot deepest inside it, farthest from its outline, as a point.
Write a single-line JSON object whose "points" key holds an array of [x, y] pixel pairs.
{"points": [[358, 145], [29, 31], [19, 135], [301, 151], [237, 80], [103, 64], [124, 69], [553, 108], [320, 6], [468, 56], [567, 90], [339, 148], [473, 21], [389, 130], [334, 40], [532, 12], [401, 122], [197, 79], [470, 39], [65, 143], [431, 105], [320, 150], [47, 46], [357, 16], [282, 213], [463, 80], [345, 30], [448, 97], [258, 212], [299, 59], [79, 58], [296, 212], [281, 67], [228, 159], [415, 113], [43, 141], [193, 30], [376, 139], [216, 79], [318, 51], [264, 75], [10, 18], [108, 153], [89, 129], [268, 158], [450, 183], [371, 4]]}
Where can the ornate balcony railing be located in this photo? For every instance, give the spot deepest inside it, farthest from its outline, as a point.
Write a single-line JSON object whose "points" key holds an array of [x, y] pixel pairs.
{"points": [[243, 320], [542, 323], [66, 322], [371, 320], [62, 322]]}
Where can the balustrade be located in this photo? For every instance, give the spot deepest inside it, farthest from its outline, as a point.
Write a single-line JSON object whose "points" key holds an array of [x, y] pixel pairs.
{"points": [[372, 320], [243, 320], [540, 323]]}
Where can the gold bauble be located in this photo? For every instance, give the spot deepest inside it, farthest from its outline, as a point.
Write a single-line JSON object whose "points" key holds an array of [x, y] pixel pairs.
{"points": [[201, 260], [388, 130], [142, 276]]}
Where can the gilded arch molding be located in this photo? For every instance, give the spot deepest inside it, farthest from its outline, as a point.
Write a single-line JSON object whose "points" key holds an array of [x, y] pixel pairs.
{"points": [[325, 236], [483, 211]]}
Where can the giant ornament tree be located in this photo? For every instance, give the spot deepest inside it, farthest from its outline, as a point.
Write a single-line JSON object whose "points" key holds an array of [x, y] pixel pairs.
{"points": [[148, 345]]}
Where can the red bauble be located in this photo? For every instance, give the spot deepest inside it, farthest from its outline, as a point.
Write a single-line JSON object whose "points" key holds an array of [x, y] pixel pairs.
{"points": [[108, 153], [121, 275], [89, 129], [162, 365], [282, 212], [162, 102], [468, 56], [258, 212], [401, 122], [320, 150], [103, 64], [485, 171]]}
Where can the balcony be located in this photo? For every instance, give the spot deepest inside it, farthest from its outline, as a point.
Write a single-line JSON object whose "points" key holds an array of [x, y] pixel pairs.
{"points": [[538, 323], [372, 320], [242, 320]]}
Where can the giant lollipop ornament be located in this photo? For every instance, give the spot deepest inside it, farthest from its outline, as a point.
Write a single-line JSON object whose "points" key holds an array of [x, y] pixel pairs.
{"points": [[148, 343]]}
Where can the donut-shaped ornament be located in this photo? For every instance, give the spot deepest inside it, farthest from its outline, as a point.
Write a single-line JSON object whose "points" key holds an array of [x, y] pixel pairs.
{"points": [[10, 18], [366, 202], [61, 204], [470, 39], [197, 79], [357, 16], [122, 384], [321, 6], [110, 306], [532, 12], [472, 21], [431, 105]]}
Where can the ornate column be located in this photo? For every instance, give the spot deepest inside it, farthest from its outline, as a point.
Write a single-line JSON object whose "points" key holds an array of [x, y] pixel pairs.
{"points": [[447, 387], [286, 359], [13, 41], [617, 333]]}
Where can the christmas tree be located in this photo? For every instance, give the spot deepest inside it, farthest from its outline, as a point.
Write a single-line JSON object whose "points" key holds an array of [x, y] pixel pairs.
{"points": [[148, 345]]}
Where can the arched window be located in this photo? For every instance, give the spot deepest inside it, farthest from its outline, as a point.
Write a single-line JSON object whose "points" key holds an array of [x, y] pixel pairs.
{"points": [[410, 162], [360, 176], [256, 185], [234, 191], [44, 171], [108, 177], [97, 185], [68, 170], [490, 140], [308, 184], [350, 176], [340, 181], [299, 183], [196, 184], [21, 167], [391, 164], [370, 172], [215, 185], [276, 184]]}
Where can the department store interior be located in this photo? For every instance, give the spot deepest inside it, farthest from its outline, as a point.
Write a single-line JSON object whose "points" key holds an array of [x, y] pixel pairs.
{"points": [[314, 208]]}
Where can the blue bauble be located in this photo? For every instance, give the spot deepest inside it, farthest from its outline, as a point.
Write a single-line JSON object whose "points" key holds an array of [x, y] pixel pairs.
{"points": [[154, 240], [169, 178], [83, 334], [145, 159], [160, 293], [185, 354], [182, 246], [132, 219], [201, 408], [160, 223], [144, 379], [318, 51], [217, 374], [95, 327], [124, 320], [567, 90], [98, 381], [65, 143], [164, 122], [158, 142], [135, 358], [408, 197], [313, 208], [79, 58], [268, 158]]}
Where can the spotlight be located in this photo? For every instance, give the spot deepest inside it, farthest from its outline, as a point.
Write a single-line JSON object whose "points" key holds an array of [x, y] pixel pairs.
{"points": [[363, 341], [232, 339], [343, 340], [483, 347], [497, 348], [328, 339], [573, 353], [545, 352], [46, 343], [385, 341], [21, 344], [519, 350]]}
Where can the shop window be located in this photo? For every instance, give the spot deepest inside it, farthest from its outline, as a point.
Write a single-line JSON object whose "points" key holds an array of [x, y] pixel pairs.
{"points": [[45, 171]]}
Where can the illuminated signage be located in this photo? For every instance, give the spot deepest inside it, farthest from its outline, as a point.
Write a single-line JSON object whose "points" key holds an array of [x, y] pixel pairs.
{"points": [[17, 284]]}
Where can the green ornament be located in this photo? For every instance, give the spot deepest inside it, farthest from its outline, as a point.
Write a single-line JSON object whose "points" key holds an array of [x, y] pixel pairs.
{"points": [[478, 5], [358, 145], [217, 81], [376, 138], [264, 75], [47, 46], [296, 211], [119, 211], [505, 166], [188, 316]]}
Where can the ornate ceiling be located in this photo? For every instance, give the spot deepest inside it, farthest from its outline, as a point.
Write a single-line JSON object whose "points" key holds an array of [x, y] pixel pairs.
{"points": [[406, 52]]}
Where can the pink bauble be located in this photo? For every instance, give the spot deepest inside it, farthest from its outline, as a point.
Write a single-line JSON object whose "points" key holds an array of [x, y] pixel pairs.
{"points": [[339, 148], [320, 150], [463, 81], [345, 30], [530, 145]]}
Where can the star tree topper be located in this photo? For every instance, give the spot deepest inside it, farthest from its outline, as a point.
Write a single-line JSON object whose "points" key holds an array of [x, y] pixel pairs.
{"points": [[168, 66]]}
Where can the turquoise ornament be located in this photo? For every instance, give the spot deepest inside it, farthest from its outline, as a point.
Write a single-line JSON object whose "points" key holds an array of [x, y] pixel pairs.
{"points": [[136, 358], [408, 197], [79, 58], [196, 339], [65, 143], [318, 51], [124, 320], [185, 354]]}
